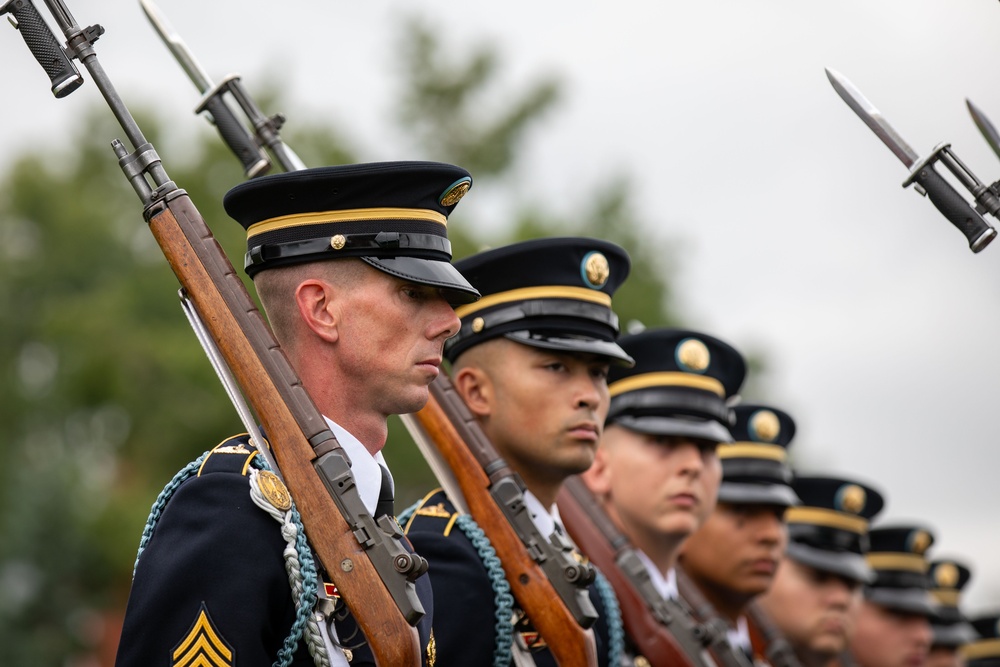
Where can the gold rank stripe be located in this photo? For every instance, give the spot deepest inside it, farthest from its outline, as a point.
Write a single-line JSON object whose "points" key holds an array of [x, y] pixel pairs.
{"points": [[820, 516], [752, 450], [202, 646], [666, 379], [897, 561], [540, 292], [985, 648], [347, 215], [948, 596]]}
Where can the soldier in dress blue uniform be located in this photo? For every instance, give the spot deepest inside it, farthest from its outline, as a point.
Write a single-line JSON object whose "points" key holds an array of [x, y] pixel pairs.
{"points": [[352, 265], [816, 594], [531, 362], [657, 472], [733, 557], [894, 623], [949, 627]]}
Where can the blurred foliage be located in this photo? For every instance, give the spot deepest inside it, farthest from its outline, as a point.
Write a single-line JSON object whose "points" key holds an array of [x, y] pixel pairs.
{"points": [[105, 393]]}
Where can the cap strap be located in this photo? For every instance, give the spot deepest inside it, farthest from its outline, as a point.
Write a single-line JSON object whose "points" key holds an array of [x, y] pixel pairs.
{"points": [[347, 215], [667, 379], [897, 561], [820, 516], [541, 292], [349, 245]]}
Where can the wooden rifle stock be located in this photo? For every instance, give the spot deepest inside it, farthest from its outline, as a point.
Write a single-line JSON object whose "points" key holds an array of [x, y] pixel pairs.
{"points": [[300, 438], [649, 621], [767, 640], [571, 644]]}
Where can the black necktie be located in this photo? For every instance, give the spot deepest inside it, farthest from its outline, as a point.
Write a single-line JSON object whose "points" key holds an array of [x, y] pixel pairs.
{"points": [[385, 499]]}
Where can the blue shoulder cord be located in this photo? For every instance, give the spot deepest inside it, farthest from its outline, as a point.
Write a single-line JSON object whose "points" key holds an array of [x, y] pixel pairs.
{"points": [[503, 601], [310, 578]]}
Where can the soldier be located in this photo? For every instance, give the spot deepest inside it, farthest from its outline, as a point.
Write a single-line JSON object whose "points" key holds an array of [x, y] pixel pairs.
{"points": [[816, 594], [949, 627], [985, 650], [733, 557], [531, 362], [352, 266], [894, 622], [656, 472]]}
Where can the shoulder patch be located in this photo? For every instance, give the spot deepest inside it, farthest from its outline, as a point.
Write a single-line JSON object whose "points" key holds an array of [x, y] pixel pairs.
{"points": [[203, 645]]}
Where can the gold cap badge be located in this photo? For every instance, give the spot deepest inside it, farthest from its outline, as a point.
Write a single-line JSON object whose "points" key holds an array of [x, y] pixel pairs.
{"points": [[764, 426], [337, 241], [946, 575], [454, 192], [692, 355], [851, 498], [919, 542], [596, 269]]}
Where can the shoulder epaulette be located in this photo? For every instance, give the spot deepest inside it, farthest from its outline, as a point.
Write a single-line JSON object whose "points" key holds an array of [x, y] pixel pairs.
{"points": [[232, 455]]}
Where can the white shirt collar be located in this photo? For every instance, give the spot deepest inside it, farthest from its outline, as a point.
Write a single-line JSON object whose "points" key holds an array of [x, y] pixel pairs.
{"points": [[367, 469], [665, 585], [545, 519], [739, 637]]}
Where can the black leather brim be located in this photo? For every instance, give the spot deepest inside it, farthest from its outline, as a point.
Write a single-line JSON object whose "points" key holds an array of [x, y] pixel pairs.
{"points": [[954, 635], [757, 494], [701, 429], [907, 600], [602, 348], [844, 564], [456, 289]]}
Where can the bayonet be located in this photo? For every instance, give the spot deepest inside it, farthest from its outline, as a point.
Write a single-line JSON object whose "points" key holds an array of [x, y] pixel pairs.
{"points": [[988, 130], [236, 136], [266, 129], [926, 180]]}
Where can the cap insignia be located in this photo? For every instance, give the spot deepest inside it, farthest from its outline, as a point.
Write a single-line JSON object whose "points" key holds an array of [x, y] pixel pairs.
{"points": [[203, 642], [337, 241], [919, 542], [454, 192], [693, 356], [478, 325], [851, 498], [946, 575], [274, 490], [596, 269], [764, 426]]}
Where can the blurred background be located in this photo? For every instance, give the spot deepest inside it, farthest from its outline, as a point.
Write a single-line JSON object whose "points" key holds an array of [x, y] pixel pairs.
{"points": [[704, 137]]}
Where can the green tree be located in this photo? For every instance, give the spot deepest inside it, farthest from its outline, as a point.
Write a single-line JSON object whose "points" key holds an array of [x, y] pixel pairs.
{"points": [[105, 392]]}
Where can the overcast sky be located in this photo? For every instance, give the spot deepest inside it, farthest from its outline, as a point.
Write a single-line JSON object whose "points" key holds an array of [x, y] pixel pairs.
{"points": [[795, 239]]}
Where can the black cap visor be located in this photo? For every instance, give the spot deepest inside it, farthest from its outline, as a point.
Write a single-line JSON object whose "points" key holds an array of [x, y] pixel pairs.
{"points": [[954, 635], [701, 429], [906, 600], [584, 344], [845, 564], [455, 288], [757, 494]]}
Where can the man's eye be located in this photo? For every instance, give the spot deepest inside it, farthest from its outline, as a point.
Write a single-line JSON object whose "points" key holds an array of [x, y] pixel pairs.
{"points": [[601, 372]]}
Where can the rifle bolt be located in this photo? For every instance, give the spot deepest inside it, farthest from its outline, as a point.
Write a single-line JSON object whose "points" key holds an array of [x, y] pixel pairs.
{"points": [[347, 565]]}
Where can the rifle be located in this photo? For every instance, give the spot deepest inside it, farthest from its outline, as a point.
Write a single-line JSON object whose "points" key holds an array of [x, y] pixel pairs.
{"points": [[659, 628], [366, 560], [547, 582], [725, 654], [545, 579], [767, 640]]}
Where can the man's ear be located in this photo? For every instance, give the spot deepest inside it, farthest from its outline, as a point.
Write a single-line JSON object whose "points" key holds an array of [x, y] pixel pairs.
{"points": [[315, 300], [476, 389], [598, 476]]}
